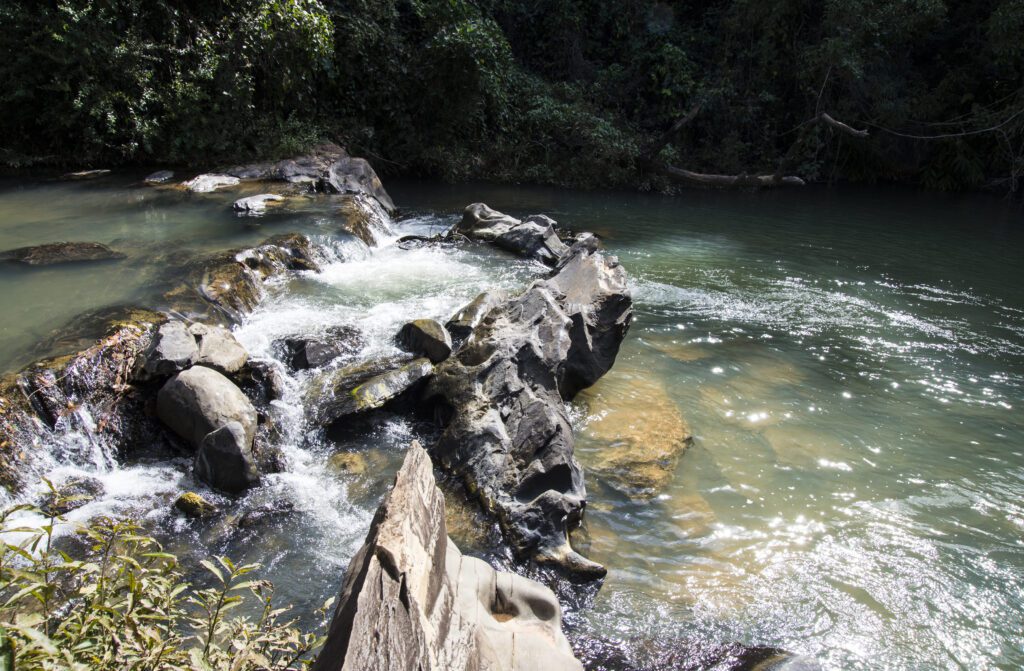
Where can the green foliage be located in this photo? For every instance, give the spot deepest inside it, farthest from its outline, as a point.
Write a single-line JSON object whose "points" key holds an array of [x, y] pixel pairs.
{"points": [[556, 91], [124, 605]]}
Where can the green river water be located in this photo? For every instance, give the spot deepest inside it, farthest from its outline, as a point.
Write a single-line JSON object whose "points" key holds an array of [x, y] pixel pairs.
{"points": [[849, 362]]}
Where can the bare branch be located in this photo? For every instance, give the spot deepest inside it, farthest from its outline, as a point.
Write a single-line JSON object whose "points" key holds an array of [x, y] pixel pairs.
{"points": [[841, 127]]}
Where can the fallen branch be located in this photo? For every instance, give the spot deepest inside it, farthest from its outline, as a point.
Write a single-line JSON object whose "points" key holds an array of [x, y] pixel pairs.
{"points": [[730, 181], [841, 127]]}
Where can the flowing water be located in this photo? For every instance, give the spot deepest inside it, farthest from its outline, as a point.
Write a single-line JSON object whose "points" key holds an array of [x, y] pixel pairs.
{"points": [[850, 364]]}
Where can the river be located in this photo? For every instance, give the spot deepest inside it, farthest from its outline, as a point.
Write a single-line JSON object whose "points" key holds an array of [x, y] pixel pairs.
{"points": [[849, 363]]}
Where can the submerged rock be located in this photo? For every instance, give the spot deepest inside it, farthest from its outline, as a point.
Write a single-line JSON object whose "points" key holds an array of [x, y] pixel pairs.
{"points": [[256, 204], [533, 237], [427, 337], [639, 430], [209, 182], [71, 495], [502, 400], [198, 401], [191, 504], [348, 462], [411, 601], [61, 252], [159, 177]]}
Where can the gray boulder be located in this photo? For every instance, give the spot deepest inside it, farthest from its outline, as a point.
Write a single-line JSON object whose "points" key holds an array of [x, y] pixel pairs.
{"points": [[256, 204], [365, 218], [218, 348], [315, 351], [159, 177], [427, 337], [60, 252], [532, 238], [225, 461], [209, 182], [199, 401], [502, 400], [411, 601], [173, 349]]}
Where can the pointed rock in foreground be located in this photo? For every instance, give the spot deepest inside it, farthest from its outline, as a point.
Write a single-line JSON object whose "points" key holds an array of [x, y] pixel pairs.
{"points": [[412, 601]]}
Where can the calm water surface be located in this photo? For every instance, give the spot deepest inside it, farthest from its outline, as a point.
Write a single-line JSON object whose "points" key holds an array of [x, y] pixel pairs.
{"points": [[849, 362]]}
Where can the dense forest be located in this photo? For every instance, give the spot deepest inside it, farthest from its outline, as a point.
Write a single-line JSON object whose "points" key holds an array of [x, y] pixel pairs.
{"points": [[587, 93]]}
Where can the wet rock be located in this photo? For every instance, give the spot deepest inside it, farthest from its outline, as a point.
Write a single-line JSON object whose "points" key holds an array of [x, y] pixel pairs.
{"points": [[532, 238], [639, 431], [686, 655], [87, 392], [256, 204], [365, 386], [173, 350], [60, 252], [328, 168], [199, 401], [427, 337], [218, 348], [502, 398], [315, 351], [159, 177], [348, 462], [209, 182], [462, 325], [411, 600], [231, 283], [262, 382], [86, 174], [191, 504], [366, 219], [225, 461], [71, 495]]}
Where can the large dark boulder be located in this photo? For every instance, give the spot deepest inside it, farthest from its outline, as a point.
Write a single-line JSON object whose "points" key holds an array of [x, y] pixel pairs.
{"points": [[426, 337], [532, 238], [225, 461], [502, 400], [61, 252], [320, 349], [465, 321], [198, 401], [411, 601]]}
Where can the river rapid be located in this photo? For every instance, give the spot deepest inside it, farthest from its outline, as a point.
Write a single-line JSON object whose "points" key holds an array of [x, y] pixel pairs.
{"points": [[849, 363]]}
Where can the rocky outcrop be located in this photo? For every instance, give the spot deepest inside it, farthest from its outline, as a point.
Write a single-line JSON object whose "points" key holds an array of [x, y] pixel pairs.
{"points": [[533, 237], [365, 218], [256, 204], [61, 252], [411, 601], [88, 392], [502, 401], [327, 168], [230, 285], [209, 182], [468, 318], [426, 337]]}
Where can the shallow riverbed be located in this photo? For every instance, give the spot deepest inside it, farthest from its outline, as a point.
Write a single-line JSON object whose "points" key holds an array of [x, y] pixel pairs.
{"points": [[850, 364]]}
